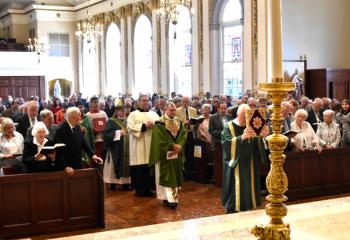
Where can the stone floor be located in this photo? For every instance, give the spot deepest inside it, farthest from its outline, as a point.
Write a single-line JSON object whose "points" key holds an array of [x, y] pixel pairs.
{"points": [[198, 202]]}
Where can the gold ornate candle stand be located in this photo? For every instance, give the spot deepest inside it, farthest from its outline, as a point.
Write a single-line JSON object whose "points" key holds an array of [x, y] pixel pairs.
{"points": [[276, 181]]}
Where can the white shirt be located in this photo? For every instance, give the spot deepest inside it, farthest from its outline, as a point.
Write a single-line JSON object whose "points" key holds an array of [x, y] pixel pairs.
{"points": [[306, 138], [13, 146]]}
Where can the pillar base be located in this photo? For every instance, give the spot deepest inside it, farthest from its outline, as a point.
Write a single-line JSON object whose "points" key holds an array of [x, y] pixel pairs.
{"points": [[272, 232]]}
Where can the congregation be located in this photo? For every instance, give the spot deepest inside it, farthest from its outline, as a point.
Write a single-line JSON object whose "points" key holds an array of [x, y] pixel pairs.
{"points": [[151, 144]]}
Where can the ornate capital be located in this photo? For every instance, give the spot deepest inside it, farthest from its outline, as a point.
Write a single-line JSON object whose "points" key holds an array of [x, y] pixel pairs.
{"points": [[140, 8], [153, 4], [128, 10]]}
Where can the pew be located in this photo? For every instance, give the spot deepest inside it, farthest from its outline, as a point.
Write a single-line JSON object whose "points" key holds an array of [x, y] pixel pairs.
{"points": [[313, 175], [42, 203]]}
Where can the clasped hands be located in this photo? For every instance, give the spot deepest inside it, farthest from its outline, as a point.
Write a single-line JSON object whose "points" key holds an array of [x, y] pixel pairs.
{"points": [[249, 133]]}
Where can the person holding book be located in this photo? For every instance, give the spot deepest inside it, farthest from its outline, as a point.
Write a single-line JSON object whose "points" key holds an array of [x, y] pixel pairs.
{"points": [[167, 155], [243, 149], [11, 147], [116, 139], [34, 159]]}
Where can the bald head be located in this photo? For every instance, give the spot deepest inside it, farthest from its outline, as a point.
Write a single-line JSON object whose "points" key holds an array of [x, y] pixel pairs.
{"points": [[186, 102]]}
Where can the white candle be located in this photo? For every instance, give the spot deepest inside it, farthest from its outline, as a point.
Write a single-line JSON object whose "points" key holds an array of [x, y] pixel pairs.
{"points": [[276, 38]]}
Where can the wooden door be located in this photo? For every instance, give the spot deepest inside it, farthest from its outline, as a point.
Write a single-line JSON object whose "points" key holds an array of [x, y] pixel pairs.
{"points": [[340, 89]]}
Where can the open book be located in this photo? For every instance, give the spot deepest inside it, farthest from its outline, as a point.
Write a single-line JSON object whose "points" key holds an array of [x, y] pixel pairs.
{"points": [[195, 121], [51, 149], [291, 133]]}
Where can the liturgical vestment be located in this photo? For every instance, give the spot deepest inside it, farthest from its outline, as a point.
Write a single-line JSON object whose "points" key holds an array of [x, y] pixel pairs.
{"points": [[241, 180]]}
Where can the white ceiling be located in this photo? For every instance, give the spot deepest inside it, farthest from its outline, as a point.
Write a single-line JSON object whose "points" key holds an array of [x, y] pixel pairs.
{"points": [[21, 4]]}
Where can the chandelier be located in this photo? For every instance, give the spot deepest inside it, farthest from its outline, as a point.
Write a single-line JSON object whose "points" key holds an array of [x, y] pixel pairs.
{"points": [[88, 28], [168, 9]]}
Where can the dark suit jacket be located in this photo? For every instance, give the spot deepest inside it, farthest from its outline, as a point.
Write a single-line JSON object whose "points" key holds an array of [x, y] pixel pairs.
{"points": [[215, 126], [312, 118], [23, 125], [70, 155], [50, 137], [31, 165]]}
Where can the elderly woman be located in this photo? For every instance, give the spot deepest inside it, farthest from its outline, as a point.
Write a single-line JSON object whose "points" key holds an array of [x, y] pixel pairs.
{"points": [[328, 131], [340, 117], [11, 145], [306, 138], [203, 128], [33, 160]]}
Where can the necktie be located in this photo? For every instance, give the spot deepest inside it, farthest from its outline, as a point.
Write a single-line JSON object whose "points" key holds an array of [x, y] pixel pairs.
{"points": [[187, 115], [33, 121], [74, 132]]}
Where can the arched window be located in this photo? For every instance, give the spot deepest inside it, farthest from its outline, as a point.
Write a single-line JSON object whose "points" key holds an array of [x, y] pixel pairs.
{"points": [[231, 48], [143, 56], [180, 53], [113, 64], [90, 83]]}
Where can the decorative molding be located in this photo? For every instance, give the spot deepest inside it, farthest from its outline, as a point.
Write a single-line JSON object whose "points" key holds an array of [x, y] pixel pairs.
{"points": [[255, 27], [200, 42], [153, 4]]}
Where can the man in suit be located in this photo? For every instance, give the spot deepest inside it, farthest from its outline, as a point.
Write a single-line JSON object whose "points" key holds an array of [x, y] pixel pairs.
{"points": [[69, 157], [216, 124], [29, 119], [46, 116], [185, 113], [315, 114], [11, 112]]}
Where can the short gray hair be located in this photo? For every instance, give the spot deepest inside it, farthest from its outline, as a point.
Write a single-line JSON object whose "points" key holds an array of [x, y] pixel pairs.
{"points": [[303, 112], [207, 105], [44, 113], [242, 107], [6, 122], [39, 126], [328, 112], [72, 110]]}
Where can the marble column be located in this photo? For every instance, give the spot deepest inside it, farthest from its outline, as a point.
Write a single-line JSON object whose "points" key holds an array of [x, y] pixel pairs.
{"points": [[206, 86], [155, 56], [130, 67], [164, 60], [247, 47], [195, 49], [123, 55]]}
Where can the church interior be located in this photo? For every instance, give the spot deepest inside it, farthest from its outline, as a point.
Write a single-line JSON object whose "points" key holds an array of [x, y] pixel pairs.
{"points": [[123, 48]]}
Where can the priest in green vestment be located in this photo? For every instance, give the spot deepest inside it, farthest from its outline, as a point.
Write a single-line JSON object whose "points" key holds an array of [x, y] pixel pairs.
{"points": [[167, 155], [117, 163], [242, 152]]}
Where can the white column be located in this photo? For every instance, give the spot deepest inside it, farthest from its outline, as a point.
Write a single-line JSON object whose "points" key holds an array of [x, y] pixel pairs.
{"points": [[130, 85], [262, 42], [164, 66], [97, 64], [103, 78], [206, 87], [80, 86], [247, 47], [215, 60], [123, 44], [155, 60], [195, 50]]}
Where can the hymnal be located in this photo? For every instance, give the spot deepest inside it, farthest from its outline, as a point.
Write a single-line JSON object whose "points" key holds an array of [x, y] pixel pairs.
{"points": [[51, 149], [196, 121]]}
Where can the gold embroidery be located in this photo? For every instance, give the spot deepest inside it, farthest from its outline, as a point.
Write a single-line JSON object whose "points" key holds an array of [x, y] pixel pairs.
{"points": [[252, 182], [233, 156], [172, 126]]}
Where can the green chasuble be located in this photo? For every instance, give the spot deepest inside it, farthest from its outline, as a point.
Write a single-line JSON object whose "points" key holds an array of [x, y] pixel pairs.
{"points": [[166, 133], [241, 180], [89, 136]]}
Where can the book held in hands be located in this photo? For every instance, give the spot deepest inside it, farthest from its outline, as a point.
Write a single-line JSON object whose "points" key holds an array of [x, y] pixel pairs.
{"points": [[46, 150]]}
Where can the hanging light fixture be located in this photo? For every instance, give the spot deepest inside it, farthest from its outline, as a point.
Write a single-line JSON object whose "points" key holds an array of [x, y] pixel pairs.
{"points": [[88, 27], [36, 45], [168, 9]]}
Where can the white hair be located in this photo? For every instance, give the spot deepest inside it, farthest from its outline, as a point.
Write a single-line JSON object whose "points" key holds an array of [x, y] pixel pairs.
{"points": [[328, 112], [32, 104], [242, 107], [302, 112], [38, 126], [44, 113], [72, 110], [206, 105]]}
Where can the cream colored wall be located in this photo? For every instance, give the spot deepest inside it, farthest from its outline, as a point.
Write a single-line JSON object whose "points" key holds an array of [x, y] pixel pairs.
{"points": [[319, 29], [20, 32]]}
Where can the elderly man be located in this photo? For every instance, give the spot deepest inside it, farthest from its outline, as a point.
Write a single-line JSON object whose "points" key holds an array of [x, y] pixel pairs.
{"points": [[69, 133], [328, 131], [242, 153], [12, 112], [46, 117], [304, 103], [162, 105], [185, 113], [29, 119], [168, 139], [315, 116], [140, 125]]}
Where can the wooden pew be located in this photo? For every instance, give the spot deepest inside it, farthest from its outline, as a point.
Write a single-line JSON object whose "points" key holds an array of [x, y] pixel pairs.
{"points": [[41, 203], [312, 175]]}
